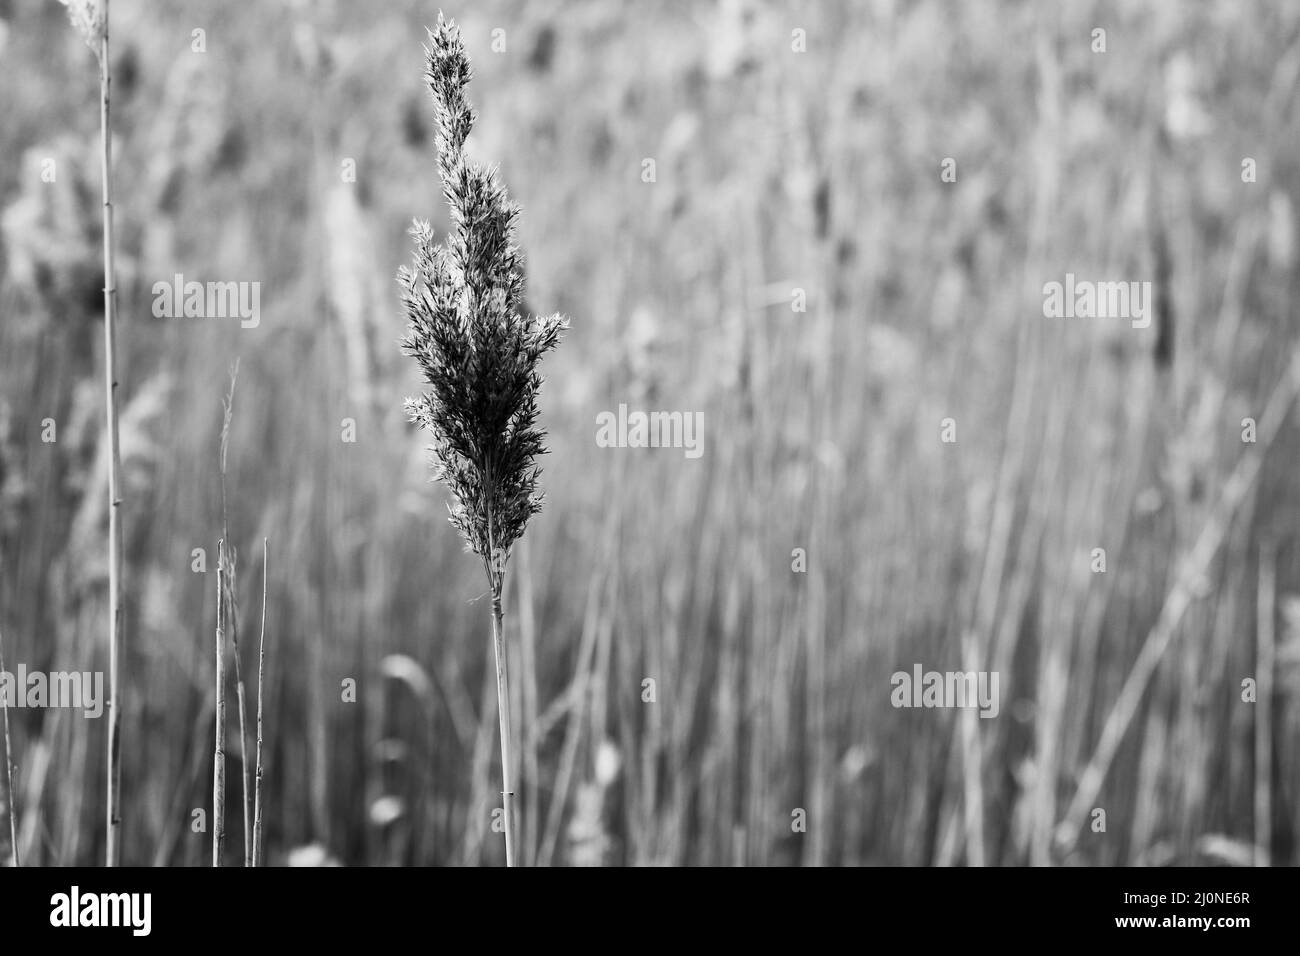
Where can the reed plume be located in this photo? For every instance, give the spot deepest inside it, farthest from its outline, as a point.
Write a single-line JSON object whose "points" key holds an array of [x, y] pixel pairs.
{"points": [[479, 353]]}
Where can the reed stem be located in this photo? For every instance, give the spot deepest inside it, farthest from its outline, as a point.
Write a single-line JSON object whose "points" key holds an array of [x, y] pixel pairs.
{"points": [[503, 710], [116, 551], [9, 768]]}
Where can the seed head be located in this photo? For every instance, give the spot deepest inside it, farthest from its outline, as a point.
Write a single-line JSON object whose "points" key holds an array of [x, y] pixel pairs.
{"points": [[478, 353], [88, 17]]}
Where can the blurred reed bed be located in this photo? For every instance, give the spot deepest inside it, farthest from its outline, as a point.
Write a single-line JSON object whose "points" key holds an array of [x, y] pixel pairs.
{"points": [[775, 170]]}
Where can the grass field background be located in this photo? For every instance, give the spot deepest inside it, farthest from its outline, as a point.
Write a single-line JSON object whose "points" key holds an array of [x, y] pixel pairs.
{"points": [[775, 171]]}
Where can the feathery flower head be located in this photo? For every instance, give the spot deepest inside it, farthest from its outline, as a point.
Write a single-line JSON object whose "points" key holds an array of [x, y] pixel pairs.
{"points": [[88, 17], [478, 352]]}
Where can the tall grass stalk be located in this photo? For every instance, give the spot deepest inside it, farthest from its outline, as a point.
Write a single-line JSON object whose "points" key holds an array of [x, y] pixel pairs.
{"points": [[227, 620], [219, 748], [11, 796], [1265, 661], [240, 696], [90, 17], [261, 682], [228, 555], [479, 354]]}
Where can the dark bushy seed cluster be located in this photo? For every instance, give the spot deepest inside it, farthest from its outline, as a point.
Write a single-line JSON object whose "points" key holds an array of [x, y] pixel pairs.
{"points": [[479, 354]]}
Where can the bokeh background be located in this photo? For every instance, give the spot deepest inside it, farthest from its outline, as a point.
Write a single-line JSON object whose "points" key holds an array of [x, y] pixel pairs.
{"points": [[776, 171]]}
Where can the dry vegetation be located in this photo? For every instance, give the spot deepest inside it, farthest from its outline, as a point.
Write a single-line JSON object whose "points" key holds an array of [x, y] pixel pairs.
{"points": [[775, 170]]}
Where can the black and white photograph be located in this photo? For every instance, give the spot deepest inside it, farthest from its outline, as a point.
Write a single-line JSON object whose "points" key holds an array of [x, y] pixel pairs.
{"points": [[857, 434]]}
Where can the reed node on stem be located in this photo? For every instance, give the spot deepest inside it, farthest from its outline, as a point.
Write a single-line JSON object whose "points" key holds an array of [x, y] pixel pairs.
{"points": [[90, 18]]}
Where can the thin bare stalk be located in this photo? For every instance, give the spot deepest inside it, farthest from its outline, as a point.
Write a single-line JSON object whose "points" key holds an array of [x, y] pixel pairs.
{"points": [[243, 732], [233, 621], [972, 758], [503, 709], [261, 682], [219, 750], [9, 768], [1264, 663], [116, 550]]}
